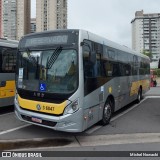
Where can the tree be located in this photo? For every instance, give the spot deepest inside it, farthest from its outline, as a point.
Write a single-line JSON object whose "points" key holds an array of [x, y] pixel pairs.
{"points": [[147, 53]]}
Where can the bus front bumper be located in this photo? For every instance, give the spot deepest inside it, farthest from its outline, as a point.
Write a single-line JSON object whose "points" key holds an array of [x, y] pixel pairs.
{"points": [[67, 123]]}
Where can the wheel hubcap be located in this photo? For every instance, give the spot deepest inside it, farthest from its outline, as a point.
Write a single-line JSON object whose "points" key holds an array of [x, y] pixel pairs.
{"points": [[107, 111], [139, 96]]}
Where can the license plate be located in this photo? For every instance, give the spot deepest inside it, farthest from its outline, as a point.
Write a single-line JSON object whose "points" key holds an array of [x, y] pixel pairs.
{"points": [[37, 120]]}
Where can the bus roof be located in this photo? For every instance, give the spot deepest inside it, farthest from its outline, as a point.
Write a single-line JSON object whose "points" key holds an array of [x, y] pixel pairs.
{"points": [[102, 40], [95, 38]]}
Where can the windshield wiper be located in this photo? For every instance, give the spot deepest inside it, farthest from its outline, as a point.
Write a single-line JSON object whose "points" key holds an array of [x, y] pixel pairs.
{"points": [[31, 58], [54, 57]]}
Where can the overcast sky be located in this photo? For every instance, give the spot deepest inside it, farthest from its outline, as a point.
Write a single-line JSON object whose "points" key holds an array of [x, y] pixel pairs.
{"points": [[108, 18]]}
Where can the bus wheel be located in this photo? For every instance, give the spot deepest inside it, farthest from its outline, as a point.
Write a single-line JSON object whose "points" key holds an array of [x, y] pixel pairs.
{"points": [[139, 96], [107, 112]]}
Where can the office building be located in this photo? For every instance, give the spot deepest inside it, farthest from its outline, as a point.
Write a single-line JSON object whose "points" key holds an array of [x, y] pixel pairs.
{"points": [[51, 14], [23, 17], [146, 35]]}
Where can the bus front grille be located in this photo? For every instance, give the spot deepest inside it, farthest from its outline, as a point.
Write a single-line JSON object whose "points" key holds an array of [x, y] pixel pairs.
{"points": [[44, 122]]}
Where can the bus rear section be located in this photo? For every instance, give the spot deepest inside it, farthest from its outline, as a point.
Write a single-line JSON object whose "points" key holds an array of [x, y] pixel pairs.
{"points": [[7, 89], [8, 49]]}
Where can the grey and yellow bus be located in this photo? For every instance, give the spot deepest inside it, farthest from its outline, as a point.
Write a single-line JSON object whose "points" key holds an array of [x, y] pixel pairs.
{"points": [[8, 49], [68, 80]]}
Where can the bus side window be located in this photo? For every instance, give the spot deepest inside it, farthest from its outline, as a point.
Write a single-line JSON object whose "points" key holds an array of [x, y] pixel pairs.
{"points": [[115, 70], [92, 70], [88, 68], [108, 68], [111, 69], [128, 70], [8, 61], [135, 65]]}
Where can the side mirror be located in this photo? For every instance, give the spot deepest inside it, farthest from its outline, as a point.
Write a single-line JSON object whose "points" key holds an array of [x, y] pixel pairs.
{"points": [[92, 54]]}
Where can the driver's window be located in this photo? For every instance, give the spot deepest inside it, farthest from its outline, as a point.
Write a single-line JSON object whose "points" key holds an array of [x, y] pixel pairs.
{"points": [[88, 68]]}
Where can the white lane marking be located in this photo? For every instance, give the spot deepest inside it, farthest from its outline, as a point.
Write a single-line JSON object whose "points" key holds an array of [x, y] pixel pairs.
{"points": [[90, 131], [152, 97], [95, 128], [128, 110], [14, 129]]}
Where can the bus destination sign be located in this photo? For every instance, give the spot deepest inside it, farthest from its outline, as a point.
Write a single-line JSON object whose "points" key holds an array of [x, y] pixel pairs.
{"points": [[50, 40]]}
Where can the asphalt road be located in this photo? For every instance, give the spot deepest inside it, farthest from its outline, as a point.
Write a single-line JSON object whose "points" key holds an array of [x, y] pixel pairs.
{"points": [[134, 128]]}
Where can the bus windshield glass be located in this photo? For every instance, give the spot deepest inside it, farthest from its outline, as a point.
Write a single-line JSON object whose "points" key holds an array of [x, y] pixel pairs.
{"points": [[51, 71]]}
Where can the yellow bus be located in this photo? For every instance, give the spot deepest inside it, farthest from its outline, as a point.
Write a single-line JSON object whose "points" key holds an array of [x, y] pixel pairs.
{"points": [[8, 49]]}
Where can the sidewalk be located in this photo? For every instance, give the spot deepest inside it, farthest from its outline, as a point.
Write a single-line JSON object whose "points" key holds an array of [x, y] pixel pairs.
{"points": [[154, 91], [158, 81]]}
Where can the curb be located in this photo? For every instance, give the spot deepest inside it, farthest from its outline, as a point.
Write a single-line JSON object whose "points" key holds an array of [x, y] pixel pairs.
{"points": [[81, 141], [21, 144]]}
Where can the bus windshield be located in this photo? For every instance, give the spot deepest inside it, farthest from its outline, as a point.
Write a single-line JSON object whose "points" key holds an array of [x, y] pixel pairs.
{"points": [[51, 71]]}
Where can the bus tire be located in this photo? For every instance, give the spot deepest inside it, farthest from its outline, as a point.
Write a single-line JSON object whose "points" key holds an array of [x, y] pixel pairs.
{"points": [[139, 96], [107, 112]]}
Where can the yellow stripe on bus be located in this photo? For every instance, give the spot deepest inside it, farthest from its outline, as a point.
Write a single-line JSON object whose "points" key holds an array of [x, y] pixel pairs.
{"points": [[43, 107], [8, 90], [135, 86]]}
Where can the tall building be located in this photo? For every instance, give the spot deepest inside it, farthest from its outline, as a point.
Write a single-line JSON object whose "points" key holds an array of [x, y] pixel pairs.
{"points": [[33, 25], [146, 34], [0, 18], [51, 14], [23, 17], [9, 18], [15, 18]]}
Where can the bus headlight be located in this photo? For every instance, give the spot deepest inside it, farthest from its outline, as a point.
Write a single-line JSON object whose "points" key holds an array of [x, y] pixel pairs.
{"points": [[73, 107]]}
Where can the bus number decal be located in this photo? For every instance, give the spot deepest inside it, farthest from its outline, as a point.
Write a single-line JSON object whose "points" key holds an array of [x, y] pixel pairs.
{"points": [[48, 108]]}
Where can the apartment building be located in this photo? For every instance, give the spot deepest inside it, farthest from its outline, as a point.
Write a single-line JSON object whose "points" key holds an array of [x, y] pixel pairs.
{"points": [[15, 18], [51, 14], [0, 18], [23, 17], [33, 25], [9, 18], [146, 34]]}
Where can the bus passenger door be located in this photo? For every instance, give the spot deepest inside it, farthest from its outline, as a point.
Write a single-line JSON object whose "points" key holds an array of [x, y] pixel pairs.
{"points": [[93, 92]]}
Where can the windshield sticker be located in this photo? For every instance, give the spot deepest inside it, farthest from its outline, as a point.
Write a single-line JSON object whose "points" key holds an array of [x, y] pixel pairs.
{"points": [[20, 73], [42, 87], [20, 83]]}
